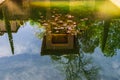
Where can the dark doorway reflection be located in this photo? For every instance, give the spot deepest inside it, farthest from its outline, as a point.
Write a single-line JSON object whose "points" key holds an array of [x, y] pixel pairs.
{"points": [[60, 39]]}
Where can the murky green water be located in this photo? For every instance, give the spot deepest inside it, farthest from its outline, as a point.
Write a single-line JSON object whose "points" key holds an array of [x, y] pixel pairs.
{"points": [[84, 44]]}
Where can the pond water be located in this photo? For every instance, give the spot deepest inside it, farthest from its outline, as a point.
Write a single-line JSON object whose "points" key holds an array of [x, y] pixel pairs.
{"points": [[27, 54]]}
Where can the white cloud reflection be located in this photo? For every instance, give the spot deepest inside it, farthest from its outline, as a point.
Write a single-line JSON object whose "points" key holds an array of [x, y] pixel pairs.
{"points": [[25, 41], [31, 66], [109, 66], [4, 46], [28, 67]]}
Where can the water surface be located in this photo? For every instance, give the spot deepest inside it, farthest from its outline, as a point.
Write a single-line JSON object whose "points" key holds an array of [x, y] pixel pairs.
{"points": [[97, 31]]}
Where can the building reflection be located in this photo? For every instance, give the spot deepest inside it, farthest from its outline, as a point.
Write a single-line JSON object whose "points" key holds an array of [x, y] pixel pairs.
{"points": [[51, 49], [13, 13], [15, 25]]}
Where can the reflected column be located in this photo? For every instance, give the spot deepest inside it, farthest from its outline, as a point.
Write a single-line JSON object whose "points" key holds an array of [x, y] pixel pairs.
{"points": [[8, 28]]}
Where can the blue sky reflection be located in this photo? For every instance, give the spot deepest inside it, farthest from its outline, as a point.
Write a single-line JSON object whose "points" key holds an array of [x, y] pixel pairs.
{"points": [[25, 41], [28, 64]]}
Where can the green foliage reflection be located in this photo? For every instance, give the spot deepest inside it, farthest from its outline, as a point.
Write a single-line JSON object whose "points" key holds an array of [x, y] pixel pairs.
{"points": [[111, 38], [76, 67], [92, 32]]}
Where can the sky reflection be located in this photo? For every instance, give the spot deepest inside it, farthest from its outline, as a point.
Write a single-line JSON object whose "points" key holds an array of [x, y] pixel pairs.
{"points": [[109, 66], [25, 41], [28, 67], [28, 64]]}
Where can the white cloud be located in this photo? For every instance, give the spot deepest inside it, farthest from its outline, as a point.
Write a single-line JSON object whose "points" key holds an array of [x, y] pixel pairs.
{"points": [[28, 68], [115, 64], [4, 46], [24, 40], [109, 66]]}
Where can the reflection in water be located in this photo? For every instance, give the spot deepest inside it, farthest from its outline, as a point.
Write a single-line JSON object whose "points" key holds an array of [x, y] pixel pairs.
{"points": [[110, 43], [105, 32], [76, 67], [8, 28], [69, 32], [64, 19]]}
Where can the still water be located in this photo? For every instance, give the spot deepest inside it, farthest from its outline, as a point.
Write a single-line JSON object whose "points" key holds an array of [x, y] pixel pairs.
{"points": [[85, 43]]}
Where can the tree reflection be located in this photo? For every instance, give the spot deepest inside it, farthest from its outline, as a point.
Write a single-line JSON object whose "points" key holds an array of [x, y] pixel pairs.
{"points": [[110, 43], [93, 32], [103, 33], [76, 67], [98, 33], [90, 35]]}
